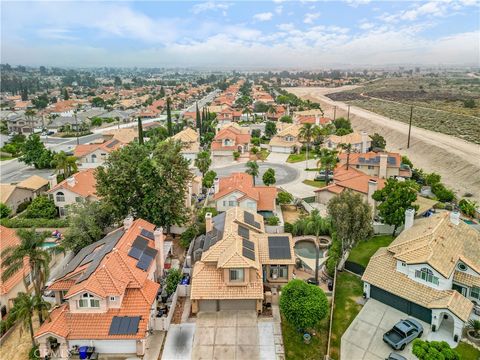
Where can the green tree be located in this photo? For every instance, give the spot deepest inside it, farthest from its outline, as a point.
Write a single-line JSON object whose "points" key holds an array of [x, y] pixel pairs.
{"points": [[284, 198], [41, 207], [208, 179], [286, 119], [270, 129], [342, 123], [328, 160], [31, 247], [378, 141], [307, 132], [169, 117], [351, 218], [30, 117], [65, 163], [203, 162], [348, 148], [269, 177], [252, 169], [395, 198], [66, 95], [89, 222], [468, 207], [98, 102], [247, 111], [5, 211], [316, 225], [35, 153], [140, 131], [303, 305], [174, 277], [469, 103]]}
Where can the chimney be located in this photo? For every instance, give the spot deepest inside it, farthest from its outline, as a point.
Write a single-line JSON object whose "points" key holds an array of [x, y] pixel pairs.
{"points": [[365, 146], [382, 171], [455, 217], [409, 214], [216, 185], [372, 187], [317, 120], [208, 222], [159, 241], [52, 181], [127, 222], [71, 181]]}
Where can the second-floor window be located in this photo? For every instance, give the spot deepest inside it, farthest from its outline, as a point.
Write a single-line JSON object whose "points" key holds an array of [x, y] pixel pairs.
{"points": [[88, 301], [60, 196], [279, 271], [475, 292], [426, 275], [288, 138], [232, 201], [237, 275]]}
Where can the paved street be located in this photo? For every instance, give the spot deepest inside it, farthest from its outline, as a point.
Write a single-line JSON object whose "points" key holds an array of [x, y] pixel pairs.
{"points": [[208, 98]]}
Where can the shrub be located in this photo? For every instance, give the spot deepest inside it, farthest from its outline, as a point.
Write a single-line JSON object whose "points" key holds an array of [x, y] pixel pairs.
{"points": [[467, 207], [236, 155], [273, 221], [29, 223], [41, 208], [5, 211], [254, 150], [209, 178], [469, 103], [288, 228], [255, 141], [188, 235], [23, 206], [173, 279], [284, 197], [33, 354], [442, 193], [429, 350]]}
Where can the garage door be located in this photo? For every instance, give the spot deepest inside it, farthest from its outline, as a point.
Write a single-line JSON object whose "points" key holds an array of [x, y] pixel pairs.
{"points": [[237, 304], [207, 305], [401, 304], [280, 149]]}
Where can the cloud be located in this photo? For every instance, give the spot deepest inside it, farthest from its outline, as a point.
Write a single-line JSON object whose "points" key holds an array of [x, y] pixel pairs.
{"points": [[311, 17], [366, 25], [357, 3], [266, 16], [55, 34], [279, 9], [208, 6]]}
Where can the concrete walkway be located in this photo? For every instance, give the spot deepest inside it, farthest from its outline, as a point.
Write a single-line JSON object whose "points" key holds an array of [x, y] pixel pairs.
{"points": [[179, 342], [153, 345]]}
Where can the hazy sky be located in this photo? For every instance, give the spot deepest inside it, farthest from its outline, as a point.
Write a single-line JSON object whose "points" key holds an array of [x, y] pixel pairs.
{"points": [[236, 34]]}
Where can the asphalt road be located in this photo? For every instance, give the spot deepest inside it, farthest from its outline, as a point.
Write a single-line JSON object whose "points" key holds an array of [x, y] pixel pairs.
{"points": [[208, 98], [283, 173]]}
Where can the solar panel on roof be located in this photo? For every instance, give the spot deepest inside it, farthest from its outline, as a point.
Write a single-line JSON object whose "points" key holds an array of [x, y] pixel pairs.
{"points": [[243, 232], [250, 219], [248, 244], [124, 325], [135, 253], [147, 234], [144, 263], [113, 143], [140, 243], [150, 251], [248, 253], [114, 326], [279, 247]]}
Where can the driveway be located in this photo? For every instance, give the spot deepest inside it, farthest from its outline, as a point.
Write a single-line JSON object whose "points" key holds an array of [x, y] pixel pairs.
{"points": [[178, 345], [284, 173], [363, 339], [230, 335]]}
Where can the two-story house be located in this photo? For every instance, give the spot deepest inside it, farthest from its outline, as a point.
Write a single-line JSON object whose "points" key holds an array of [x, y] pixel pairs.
{"points": [[190, 140], [79, 187], [95, 154], [286, 141], [107, 294], [360, 142], [234, 259], [238, 190], [431, 271], [383, 165], [231, 138]]}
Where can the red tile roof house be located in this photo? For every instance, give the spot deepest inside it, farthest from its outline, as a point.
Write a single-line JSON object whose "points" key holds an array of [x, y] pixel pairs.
{"points": [[94, 155], [384, 165], [106, 295], [80, 187], [11, 287], [229, 139], [238, 190]]}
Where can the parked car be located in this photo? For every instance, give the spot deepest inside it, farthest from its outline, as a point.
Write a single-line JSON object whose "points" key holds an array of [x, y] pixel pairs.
{"points": [[404, 332], [321, 175], [395, 356]]}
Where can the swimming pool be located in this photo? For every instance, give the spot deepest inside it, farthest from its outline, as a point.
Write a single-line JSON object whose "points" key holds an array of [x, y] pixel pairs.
{"points": [[469, 222], [48, 245], [306, 249]]}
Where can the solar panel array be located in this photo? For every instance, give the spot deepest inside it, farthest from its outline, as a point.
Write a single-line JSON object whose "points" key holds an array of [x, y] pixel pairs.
{"points": [[279, 247], [248, 249], [113, 143], [248, 244], [147, 234], [243, 232], [124, 325], [250, 219], [211, 238], [248, 254], [142, 252], [391, 160]]}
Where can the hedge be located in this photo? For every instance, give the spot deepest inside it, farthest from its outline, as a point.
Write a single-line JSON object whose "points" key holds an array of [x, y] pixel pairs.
{"points": [[36, 223]]}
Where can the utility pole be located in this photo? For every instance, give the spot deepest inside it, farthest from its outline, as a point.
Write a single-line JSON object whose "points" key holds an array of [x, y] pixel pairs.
{"points": [[334, 113], [348, 113], [76, 125], [410, 127]]}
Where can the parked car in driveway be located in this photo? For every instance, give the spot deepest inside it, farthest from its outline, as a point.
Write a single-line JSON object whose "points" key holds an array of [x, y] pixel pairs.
{"points": [[395, 356], [321, 176], [404, 332]]}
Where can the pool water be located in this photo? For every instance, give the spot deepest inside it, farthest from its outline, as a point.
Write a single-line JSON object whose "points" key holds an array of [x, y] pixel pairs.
{"points": [[48, 245], [469, 222], [307, 250]]}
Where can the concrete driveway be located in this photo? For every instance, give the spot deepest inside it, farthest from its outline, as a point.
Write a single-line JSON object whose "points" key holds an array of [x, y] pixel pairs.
{"points": [[178, 345], [230, 335], [363, 339]]}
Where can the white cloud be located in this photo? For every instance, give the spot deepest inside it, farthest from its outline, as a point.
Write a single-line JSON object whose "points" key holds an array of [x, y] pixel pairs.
{"points": [[279, 9], [311, 17], [357, 3], [56, 34], [266, 16], [209, 5], [366, 25]]}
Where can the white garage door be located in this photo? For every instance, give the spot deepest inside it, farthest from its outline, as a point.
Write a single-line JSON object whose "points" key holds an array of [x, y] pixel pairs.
{"points": [[280, 149], [207, 305], [237, 304]]}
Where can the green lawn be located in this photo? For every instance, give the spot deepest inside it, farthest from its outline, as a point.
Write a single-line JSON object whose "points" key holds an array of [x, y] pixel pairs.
{"points": [[364, 250], [293, 158], [318, 184], [263, 154], [467, 351], [296, 349], [348, 288], [6, 158]]}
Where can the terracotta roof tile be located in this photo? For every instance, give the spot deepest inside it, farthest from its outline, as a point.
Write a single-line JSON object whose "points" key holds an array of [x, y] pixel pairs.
{"points": [[85, 184]]}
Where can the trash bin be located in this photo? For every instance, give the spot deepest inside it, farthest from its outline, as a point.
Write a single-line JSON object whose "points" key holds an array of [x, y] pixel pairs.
{"points": [[83, 352]]}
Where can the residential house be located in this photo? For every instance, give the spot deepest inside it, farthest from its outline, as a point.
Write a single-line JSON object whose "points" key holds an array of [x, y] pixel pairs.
{"points": [[13, 196], [234, 259], [94, 154], [383, 165], [316, 119], [227, 116], [124, 135], [78, 188], [231, 138], [37, 185], [360, 142], [18, 123], [431, 271], [190, 139], [10, 288], [286, 141], [107, 294], [238, 189]]}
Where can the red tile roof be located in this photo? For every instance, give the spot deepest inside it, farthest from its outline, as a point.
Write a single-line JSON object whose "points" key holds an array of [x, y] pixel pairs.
{"points": [[107, 146], [85, 184]]}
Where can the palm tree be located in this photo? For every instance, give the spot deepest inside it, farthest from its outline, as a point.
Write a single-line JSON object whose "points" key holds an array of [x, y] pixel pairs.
{"points": [[271, 109], [328, 160], [247, 111], [67, 164], [30, 248], [475, 326], [348, 148], [203, 162], [316, 225], [307, 132], [252, 169], [24, 307], [29, 114]]}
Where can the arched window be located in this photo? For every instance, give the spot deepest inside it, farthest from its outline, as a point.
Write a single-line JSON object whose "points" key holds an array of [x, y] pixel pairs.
{"points": [[88, 301], [426, 275], [94, 158], [60, 196]]}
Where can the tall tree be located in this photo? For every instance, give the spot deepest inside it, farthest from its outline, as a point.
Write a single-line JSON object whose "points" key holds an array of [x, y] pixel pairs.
{"points": [[203, 162], [316, 225], [395, 198], [30, 115], [348, 149], [307, 132], [35, 153], [67, 164], [198, 120], [378, 142], [327, 162], [32, 248], [169, 117], [351, 218], [252, 169], [140, 131], [270, 129], [269, 177]]}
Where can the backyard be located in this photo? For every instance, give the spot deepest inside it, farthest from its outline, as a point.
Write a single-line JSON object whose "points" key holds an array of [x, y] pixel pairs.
{"points": [[364, 250]]}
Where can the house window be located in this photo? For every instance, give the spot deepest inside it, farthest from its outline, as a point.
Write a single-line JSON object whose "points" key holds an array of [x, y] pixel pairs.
{"points": [[232, 201], [426, 275], [94, 158], [60, 196], [403, 264], [28, 280], [461, 266], [288, 138], [279, 271], [475, 292], [113, 298], [88, 301], [370, 167], [237, 275], [357, 166]]}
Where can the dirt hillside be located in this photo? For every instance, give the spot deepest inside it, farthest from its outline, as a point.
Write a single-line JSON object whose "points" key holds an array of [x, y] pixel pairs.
{"points": [[457, 161]]}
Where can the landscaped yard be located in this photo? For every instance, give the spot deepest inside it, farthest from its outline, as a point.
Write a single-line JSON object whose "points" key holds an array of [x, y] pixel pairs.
{"points": [[293, 158], [263, 154], [314, 183], [291, 213], [294, 346], [467, 351], [349, 289], [364, 250]]}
